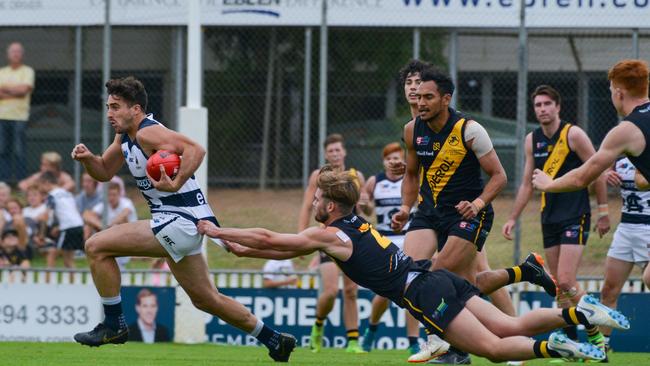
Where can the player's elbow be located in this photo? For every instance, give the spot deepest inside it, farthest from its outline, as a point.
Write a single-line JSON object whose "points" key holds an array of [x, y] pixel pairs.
{"points": [[102, 178], [200, 151], [580, 182], [267, 241], [503, 179], [499, 179]]}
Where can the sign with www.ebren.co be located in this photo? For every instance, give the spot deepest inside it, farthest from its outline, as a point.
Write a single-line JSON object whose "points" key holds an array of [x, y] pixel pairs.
{"points": [[358, 13]]}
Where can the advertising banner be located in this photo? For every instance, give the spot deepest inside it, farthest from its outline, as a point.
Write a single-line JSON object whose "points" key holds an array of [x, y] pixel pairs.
{"points": [[47, 313], [293, 311], [149, 313], [357, 13]]}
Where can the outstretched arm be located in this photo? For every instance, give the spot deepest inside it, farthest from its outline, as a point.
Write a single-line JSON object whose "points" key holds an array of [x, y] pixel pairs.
{"points": [[584, 149], [244, 251], [259, 238], [617, 142]]}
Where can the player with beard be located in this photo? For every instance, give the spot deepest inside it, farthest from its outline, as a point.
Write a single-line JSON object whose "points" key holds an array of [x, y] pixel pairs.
{"points": [[444, 303], [335, 154]]}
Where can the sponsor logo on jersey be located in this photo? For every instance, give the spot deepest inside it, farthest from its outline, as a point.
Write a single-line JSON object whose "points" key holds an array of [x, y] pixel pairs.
{"points": [[453, 140], [143, 184], [422, 140]]}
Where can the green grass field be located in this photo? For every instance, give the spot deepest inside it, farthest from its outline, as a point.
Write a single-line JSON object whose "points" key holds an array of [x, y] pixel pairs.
{"points": [[204, 354]]}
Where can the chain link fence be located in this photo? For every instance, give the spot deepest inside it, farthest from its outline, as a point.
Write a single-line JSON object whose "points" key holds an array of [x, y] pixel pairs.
{"points": [[259, 81]]}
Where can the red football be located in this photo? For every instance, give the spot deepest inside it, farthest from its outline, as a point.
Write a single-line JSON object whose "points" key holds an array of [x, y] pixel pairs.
{"points": [[170, 160]]}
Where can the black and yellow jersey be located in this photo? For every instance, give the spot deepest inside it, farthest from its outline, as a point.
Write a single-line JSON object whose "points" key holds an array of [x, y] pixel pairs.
{"points": [[376, 263], [449, 170], [640, 116], [555, 157]]}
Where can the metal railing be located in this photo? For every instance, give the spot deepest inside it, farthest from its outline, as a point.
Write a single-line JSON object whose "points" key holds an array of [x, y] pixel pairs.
{"points": [[234, 278]]}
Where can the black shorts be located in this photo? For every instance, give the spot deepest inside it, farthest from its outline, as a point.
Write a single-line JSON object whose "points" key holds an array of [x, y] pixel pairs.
{"points": [[448, 222], [435, 298], [71, 239], [573, 231]]}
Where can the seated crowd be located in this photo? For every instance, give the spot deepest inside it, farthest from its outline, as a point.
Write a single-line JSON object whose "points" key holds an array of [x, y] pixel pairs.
{"points": [[44, 217]]}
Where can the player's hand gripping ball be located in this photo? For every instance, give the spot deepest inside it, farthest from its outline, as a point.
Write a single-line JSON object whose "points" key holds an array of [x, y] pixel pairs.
{"points": [[168, 159]]}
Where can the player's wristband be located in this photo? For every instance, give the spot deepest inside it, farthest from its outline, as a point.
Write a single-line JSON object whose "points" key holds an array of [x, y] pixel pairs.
{"points": [[479, 204], [603, 210]]}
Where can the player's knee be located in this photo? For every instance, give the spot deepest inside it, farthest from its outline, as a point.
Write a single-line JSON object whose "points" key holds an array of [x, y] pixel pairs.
{"points": [[495, 353], [350, 292], [204, 301], [329, 294], [646, 277], [93, 247]]}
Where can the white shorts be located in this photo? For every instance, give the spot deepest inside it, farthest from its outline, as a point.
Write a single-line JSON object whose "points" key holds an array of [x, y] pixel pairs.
{"points": [[397, 240], [177, 234], [631, 244]]}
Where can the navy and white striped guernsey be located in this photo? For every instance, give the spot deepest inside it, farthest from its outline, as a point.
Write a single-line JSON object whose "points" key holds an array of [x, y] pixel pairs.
{"points": [[188, 202], [388, 199], [636, 204]]}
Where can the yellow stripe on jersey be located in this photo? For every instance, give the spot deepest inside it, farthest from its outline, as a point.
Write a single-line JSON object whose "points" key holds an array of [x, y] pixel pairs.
{"points": [[559, 154], [582, 226], [420, 199], [447, 161], [355, 177], [480, 227]]}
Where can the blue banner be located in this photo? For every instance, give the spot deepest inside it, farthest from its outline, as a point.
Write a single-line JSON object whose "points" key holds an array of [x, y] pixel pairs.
{"points": [[293, 311]]}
